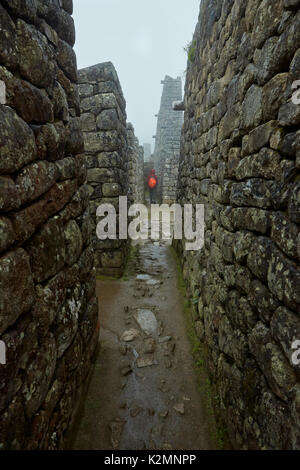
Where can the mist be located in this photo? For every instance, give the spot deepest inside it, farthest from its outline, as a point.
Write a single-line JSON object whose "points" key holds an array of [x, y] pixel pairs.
{"points": [[144, 40]]}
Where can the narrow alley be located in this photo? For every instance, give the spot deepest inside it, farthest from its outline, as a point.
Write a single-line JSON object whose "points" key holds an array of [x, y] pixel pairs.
{"points": [[113, 336], [151, 396]]}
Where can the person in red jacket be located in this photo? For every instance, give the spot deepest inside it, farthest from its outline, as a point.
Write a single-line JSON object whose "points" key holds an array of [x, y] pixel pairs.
{"points": [[152, 185]]}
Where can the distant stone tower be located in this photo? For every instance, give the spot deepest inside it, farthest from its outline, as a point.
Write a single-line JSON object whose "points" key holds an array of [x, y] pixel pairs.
{"points": [[147, 151], [167, 143]]}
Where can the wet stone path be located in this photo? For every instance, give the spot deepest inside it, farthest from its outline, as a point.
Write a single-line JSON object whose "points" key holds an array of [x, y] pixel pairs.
{"points": [[144, 393]]}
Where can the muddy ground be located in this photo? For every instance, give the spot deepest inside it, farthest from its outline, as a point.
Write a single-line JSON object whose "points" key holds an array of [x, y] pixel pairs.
{"points": [[144, 393]]}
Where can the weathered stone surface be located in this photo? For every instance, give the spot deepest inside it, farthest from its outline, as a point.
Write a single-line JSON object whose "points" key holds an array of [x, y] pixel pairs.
{"points": [[7, 234], [108, 150], [62, 22], [47, 251], [112, 259], [255, 192], [16, 141], [267, 20], [66, 323], [167, 141], [16, 277], [31, 103], [68, 6], [285, 327], [289, 114], [101, 141], [8, 54], [60, 108], [39, 375], [240, 157], [26, 9], [285, 234], [136, 192], [265, 164], [9, 194], [74, 137], [258, 138], [51, 141], [256, 220], [44, 225], [275, 366], [273, 95], [99, 102], [8, 436], [73, 241], [49, 300], [294, 203], [266, 62], [252, 108], [107, 120], [65, 169], [262, 300], [34, 180], [111, 190], [35, 57], [88, 122], [284, 279], [67, 60]]}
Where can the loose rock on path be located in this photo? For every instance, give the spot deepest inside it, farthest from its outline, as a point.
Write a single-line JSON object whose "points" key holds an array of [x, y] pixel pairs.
{"points": [[144, 392]]}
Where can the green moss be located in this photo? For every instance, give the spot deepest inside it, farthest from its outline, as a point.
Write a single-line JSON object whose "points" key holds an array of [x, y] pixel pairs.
{"points": [[221, 438], [107, 278], [200, 354], [131, 259]]}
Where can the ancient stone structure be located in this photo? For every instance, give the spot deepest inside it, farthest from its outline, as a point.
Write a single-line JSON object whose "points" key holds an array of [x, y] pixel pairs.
{"points": [[147, 152], [48, 307], [167, 139], [136, 191], [106, 148], [241, 158]]}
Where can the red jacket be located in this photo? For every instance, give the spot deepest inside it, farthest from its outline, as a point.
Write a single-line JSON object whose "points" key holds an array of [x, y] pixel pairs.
{"points": [[152, 175]]}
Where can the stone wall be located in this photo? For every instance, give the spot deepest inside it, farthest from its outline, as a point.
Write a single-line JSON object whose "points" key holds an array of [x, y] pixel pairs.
{"points": [[136, 192], [105, 140], [147, 152], [167, 140], [48, 307], [241, 158]]}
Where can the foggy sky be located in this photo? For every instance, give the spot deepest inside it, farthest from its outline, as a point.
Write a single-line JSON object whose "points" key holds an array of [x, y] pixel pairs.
{"points": [[144, 39]]}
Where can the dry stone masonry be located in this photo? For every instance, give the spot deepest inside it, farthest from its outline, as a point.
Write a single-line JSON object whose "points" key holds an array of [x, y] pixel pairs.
{"points": [[135, 168], [167, 139], [48, 307], [103, 123], [147, 152], [241, 158]]}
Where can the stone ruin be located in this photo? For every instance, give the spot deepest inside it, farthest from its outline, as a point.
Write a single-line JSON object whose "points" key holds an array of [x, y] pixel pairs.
{"points": [[147, 152], [167, 139], [105, 138], [52, 178], [115, 160], [136, 193], [48, 306], [241, 158]]}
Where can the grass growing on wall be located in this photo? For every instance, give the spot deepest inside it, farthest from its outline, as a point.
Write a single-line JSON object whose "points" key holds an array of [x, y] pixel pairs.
{"points": [[190, 50]]}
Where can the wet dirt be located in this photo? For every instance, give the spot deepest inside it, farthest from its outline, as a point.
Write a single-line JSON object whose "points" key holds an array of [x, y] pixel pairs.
{"points": [[144, 393]]}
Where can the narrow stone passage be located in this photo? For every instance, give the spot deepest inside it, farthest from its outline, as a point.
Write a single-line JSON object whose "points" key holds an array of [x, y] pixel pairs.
{"points": [[144, 392]]}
